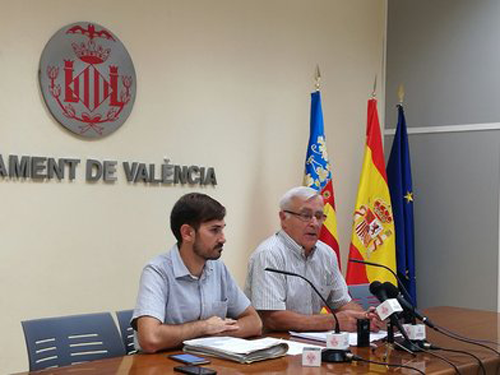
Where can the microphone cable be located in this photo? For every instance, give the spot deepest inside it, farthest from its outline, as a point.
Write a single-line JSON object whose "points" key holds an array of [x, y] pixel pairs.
{"points": [[391, 289], [481, 364], [388, 364], [443, 359], [467, 340]]}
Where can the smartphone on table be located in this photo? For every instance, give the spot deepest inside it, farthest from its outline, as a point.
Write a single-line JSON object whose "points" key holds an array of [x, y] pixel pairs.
{"points": [[195, 370], [189, 359]]}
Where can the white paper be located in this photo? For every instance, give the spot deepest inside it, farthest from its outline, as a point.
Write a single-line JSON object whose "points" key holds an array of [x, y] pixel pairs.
{"points": [[294, 347], [353, 337]]}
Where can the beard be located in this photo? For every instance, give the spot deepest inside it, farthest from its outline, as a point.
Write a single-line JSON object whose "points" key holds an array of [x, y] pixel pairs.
{"points": [[212, 254]]}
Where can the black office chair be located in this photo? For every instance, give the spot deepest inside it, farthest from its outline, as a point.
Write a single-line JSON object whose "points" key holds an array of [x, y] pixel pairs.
{"points": [[361, 295], [126, 330], [67, 340]]}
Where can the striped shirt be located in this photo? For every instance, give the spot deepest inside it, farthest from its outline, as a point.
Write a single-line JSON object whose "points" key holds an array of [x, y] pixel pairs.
{"points": [[271, 291]]}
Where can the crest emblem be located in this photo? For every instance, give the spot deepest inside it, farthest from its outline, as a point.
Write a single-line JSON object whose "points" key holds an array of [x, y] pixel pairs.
{"points": [[310, 358], [384, 310], [369, 225], [87, 79], [334, 342]]}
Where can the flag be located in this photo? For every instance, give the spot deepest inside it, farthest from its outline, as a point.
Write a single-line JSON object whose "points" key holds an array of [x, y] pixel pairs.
{"points": [[318, 174], [400, 186], [373, 236]]}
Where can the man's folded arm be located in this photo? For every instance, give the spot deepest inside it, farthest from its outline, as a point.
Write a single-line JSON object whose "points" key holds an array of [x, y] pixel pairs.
{"points": [[287, 320], [249, 324], [154, 336]]}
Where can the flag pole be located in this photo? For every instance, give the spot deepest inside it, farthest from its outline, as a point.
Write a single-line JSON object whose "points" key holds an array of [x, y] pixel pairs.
{"points": [[374, 92], [317, 78], [401, 93]]}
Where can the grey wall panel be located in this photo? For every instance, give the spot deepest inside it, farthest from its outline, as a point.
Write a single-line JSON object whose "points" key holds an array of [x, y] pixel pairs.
{"points": [[447, 55], [456, 186]]}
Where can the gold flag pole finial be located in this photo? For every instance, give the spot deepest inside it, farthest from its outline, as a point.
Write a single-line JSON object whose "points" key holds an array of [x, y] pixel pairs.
{"points": [[401, 93], [374, 92], [317, 78]]}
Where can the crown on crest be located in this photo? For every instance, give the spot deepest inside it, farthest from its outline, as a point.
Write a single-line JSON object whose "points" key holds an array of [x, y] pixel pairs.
{"points": [[382, 211], [91, 52]]}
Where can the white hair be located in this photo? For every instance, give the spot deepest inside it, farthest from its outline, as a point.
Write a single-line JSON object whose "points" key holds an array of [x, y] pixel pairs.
{"points": [[303, 192]]}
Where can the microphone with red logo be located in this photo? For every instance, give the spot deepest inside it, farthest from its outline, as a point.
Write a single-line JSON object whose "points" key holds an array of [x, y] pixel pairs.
{"points": [[390, 309], [403, 298]]}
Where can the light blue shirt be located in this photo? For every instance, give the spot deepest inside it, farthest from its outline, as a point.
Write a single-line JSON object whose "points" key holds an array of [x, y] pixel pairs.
{"points": [[169, 293]]}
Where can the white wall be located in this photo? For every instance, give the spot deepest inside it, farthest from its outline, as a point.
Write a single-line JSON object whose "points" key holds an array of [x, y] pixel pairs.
{"points": [[220, 83]]}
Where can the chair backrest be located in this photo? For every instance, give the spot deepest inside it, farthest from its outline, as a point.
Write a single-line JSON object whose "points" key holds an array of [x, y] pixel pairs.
{"points": [[361, 295], [67, 340], [126, 330]]}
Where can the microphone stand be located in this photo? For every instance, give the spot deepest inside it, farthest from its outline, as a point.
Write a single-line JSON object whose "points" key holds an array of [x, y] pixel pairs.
{"points": [[327, 355], [404, 345], [400, 282], [410, 306], [381, 291]]}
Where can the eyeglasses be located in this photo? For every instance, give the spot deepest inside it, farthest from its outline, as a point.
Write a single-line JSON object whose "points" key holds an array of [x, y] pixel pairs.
{"points": [[308, 216]]}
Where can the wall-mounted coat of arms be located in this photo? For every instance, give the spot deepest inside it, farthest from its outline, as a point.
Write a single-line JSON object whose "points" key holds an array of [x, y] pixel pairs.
{"points": [[87, 79]]}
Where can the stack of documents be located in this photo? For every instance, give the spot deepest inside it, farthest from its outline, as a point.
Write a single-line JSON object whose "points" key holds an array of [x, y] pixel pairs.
{"points": [[236, 349]]}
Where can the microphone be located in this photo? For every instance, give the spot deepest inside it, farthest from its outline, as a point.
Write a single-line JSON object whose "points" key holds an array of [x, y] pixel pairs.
{"points": [[400, 283], [416, 332], [389, 308], [392, 290], [377, 289], [337, 325], [338, 351]]}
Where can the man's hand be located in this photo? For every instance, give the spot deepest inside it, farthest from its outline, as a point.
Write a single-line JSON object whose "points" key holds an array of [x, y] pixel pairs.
{"points": [[216, 325], [348, 319], [375, 323]]}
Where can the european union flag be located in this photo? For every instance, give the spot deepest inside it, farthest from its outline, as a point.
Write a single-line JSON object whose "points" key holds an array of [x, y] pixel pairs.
{"points": [[400, 186]]}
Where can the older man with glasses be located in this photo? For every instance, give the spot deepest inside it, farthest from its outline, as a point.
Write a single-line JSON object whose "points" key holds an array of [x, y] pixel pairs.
{"points": [[289, 303]]}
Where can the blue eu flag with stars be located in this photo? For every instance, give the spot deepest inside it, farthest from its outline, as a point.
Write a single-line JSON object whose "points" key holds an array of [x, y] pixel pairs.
{"points": [[400, 187]]}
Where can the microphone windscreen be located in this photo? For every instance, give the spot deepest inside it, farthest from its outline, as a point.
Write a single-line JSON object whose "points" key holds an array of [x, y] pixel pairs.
{"points": [[375, 287], [390, 289]]}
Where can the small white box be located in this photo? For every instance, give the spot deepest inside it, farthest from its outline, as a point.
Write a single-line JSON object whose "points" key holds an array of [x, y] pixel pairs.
{"points": [[311, 357], [339, 341], [388, 307], [415, 331]]}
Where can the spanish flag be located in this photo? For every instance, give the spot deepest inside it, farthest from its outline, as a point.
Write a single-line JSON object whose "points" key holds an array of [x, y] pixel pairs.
{"points": [[373, 234], [318, 173]]}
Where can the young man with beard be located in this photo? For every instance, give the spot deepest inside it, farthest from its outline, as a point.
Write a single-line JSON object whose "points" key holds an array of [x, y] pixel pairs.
{"points": [[289, 303], [187, 292]]}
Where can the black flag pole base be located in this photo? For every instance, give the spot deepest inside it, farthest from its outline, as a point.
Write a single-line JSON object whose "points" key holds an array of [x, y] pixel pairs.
{"points": [[336, 356]]}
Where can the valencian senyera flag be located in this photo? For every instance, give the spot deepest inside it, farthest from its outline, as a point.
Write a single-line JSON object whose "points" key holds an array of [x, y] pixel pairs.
{"points": [[373, 236], [318, 174], [400, 186]]}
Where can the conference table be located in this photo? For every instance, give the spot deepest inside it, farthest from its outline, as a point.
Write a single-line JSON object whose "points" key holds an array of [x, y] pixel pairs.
{"points": [[466, 322]]}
